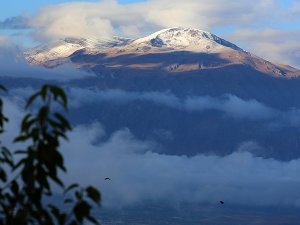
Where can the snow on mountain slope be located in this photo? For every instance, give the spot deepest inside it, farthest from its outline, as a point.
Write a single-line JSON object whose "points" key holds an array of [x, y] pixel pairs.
{"points": [[185, 38], [208, 52], [168, 39], [63, 48]]}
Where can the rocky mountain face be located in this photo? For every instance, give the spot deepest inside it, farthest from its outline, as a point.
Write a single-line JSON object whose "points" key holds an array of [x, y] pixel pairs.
{"points": [[184, 89]]}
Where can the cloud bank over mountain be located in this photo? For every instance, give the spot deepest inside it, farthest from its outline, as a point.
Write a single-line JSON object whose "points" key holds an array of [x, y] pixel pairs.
{"points": [[131, 19], [138, 174], [13, 64], [232, 106]]}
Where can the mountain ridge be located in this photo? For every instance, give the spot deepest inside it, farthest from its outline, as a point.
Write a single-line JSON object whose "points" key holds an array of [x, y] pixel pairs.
{"points": [[166, 41]]}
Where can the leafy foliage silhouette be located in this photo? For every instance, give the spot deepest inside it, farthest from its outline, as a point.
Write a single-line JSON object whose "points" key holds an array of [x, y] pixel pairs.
{"points": [[27, 176]]}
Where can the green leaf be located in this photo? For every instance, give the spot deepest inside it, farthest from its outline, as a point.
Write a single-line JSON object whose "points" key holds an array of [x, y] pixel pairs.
{"points": [[3, 175], [93, 194], [39, 165], [78, 195], [44, 91], [25, 121], [22, 138], [63, 121], [31, 99], [93, 220], [26, 124], [57, 181], [60, 217], [20, 152], [60, 134], [2, 88], [43, 114], [15, 188], [57, 91], [70, 187], [82, 210]]}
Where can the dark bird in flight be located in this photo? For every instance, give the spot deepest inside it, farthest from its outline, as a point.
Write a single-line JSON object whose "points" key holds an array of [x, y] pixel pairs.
{"points": [[107, 178], [222, 202]]}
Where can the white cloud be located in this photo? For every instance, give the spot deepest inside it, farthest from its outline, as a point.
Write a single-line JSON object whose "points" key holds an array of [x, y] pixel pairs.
{"points": [[105, 18], [139, 174], [281, 46], [231, 105], [91, 20], [207, 14], [13, 64]]}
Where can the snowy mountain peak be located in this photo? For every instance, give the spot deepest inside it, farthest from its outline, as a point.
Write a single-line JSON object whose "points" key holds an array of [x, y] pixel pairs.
{"points": [[191, 38], [65, 47], [208, 52]]}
